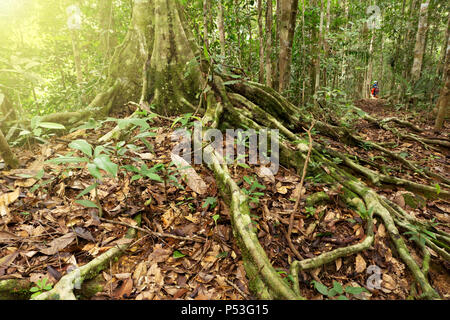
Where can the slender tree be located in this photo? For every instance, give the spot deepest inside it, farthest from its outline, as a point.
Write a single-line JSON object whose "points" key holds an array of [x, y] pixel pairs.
{"points": [[444, 99], [419, 49], [288, 9], [269, 24]]}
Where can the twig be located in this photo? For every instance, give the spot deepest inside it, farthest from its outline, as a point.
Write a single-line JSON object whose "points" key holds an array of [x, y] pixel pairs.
{"points": [[242, 293], [153, 233], [300, 195]]}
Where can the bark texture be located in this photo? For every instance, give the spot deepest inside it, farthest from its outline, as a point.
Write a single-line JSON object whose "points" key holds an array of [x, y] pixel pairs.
{"points": [[288, 9], [420, 41]]}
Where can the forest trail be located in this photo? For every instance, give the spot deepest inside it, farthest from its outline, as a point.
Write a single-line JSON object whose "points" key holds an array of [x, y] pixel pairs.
{"points": [[186, 249]]}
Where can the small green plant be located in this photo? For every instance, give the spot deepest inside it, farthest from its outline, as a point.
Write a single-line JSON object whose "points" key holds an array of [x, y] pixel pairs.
{"points": [[337, 292], [96, 160], [41, 287], [38, 132], [420, 235], [216, 218], [310, 211], [254, 184], [211, 202]]}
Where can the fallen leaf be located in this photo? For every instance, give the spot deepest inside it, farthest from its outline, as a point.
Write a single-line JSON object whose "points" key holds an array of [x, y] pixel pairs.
{"points": [[59, 244], [6, 199], [338, 263], [84, 233], [360, 264], [124, 290]]}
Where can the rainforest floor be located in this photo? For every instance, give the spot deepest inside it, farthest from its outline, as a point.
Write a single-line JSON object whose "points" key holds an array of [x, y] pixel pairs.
{"points": [[43, 231]]}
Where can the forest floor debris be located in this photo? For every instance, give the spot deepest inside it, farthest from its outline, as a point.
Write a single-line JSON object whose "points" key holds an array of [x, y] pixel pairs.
{"points": [[43, 231]]}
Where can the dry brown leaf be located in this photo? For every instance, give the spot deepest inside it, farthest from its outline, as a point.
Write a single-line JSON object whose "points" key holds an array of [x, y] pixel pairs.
{"points": [[124, 290], [338, 263], [381, 230], [360, 264], [59, 244], [6, 199], [388, 282], [159, 254]]}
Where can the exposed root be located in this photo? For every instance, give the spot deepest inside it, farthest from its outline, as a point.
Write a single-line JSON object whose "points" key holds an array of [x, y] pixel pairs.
{"points": [[64, 289], [6, 153]]}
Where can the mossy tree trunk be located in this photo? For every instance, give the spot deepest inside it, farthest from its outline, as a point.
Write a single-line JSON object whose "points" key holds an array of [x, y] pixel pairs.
{"points": [[158, 52]]}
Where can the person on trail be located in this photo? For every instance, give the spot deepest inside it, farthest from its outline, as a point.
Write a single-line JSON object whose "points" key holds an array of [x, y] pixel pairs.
{"points": [[375, 90]]}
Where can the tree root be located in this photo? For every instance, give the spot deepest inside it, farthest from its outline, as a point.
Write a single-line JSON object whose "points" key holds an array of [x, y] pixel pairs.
{"points": [[15, 289], [371, 199], [63, 290], [7, 154]]}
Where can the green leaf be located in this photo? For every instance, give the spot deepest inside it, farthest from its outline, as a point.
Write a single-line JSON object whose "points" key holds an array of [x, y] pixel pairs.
{"points": [[98, 150], [51, 125], [153, 176], [61, 160], [215, 218], [354, 290], [34, 289], [87, 190], [210, 201], [83, 146], [103, 162], [87, 203], [338, 287], [93, 170], [178, 254], [342, 298], [321, 288], [34, 295]]}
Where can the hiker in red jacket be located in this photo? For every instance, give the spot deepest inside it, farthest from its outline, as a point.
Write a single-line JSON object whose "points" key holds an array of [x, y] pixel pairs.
{"points": [[375, 90]]}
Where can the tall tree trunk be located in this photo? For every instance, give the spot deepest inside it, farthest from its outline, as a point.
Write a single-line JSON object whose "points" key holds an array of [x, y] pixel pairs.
{"points": [[443, 56], [108, 39], [269, 23], [221, 26], [238, 24], [77, 55], [288, 10], [443, 102], [420, 42], [261, 42], [205, 25], [159, 43], [317, 54], [368, 78]]}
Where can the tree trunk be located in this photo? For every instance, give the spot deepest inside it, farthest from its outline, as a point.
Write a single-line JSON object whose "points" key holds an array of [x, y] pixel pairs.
{"points": [[205, 24], [7, 109], [443, 56], [221, 26], [261, 42], [158, 51], [317, 55], [108, 39], [269, 23], [420, 42], [443, 101], [7, 154], [288, 9]]}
